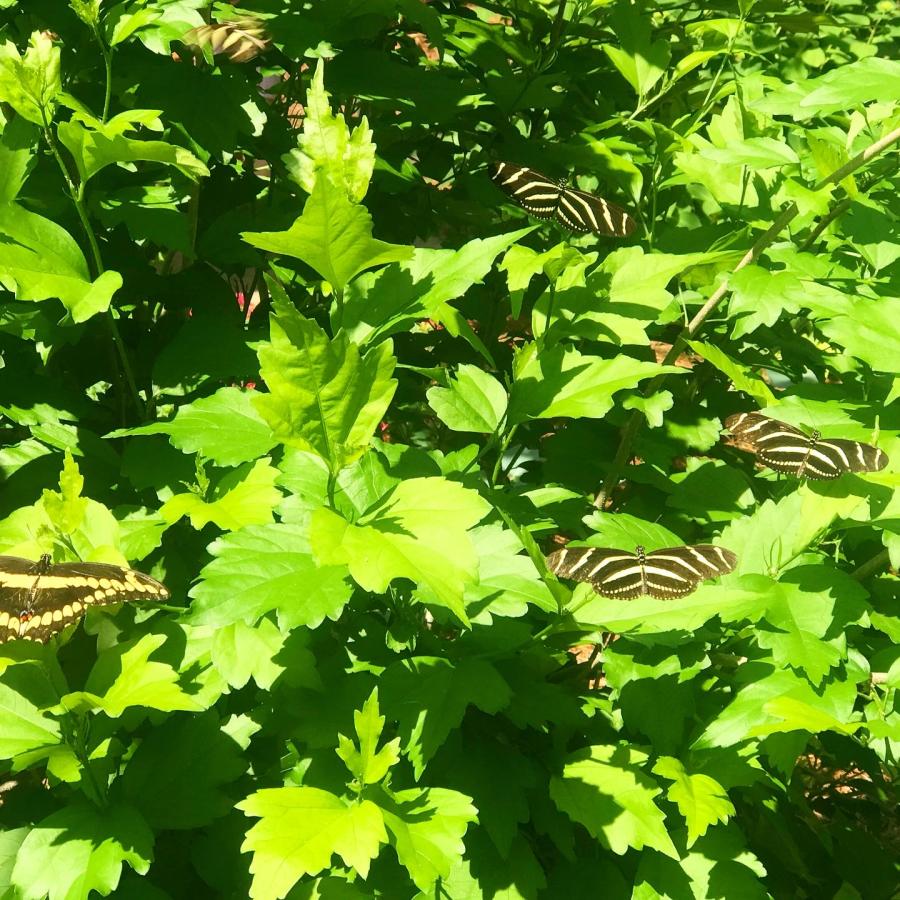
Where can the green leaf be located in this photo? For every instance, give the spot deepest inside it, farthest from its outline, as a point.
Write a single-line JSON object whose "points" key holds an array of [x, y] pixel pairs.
{"points": [[560, 381], [300, 829], [429, 697], [264, 568], [756, 153], [777, 533], [25, 727], [507, 579], [426, 828], [324, 396], [103, 144], [853, 84], [652, 407], [869, 332], [379, 304], [240, 652], [605, 789], [741, 377], [43, 261], [640, 61], [749, 715], [124, 676], [760, 297], [30, 84], [245, 496], [328, 146], [700, 799], [368, 764], [333, 235], [225, 428], [475, 401], [80, 849], [177, 774], [17, 156], [416, 531]]}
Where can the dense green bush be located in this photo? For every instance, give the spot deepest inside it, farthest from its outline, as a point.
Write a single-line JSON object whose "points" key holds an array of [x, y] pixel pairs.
{"points": [[270, 334]]}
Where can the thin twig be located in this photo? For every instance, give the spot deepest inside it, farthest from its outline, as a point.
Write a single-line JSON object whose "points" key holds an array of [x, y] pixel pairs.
{"points": [[629, 432]]}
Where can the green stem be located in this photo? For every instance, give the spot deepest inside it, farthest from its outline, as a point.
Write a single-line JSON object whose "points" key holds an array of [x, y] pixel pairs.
{"points": [[107, 65], [76, 195], [504, 444]]}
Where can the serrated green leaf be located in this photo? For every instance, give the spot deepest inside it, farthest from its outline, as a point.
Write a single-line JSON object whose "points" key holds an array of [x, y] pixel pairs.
{"points": [[563, 382], [264, 568], [31, 83], [429, 696], [103, 144], [328, 146], [333, 235], [80, 849], [605, 789], [426, 829], [368, 764], [700, 799], [124, 676], [225, 428], [475, 401], [378, 304], [245, 496], [324, 395], [417, 531], [300, 829], [743, 379]]}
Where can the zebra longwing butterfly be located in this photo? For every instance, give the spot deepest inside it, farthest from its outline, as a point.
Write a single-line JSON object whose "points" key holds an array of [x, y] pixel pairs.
{"points": [[787, 449], [674, 572], [547, 199], [38, 599]]}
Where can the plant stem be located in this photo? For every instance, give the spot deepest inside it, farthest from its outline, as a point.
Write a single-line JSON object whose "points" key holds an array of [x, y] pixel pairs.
{"points": [[786, 216], [872, 565], [77, 197]]}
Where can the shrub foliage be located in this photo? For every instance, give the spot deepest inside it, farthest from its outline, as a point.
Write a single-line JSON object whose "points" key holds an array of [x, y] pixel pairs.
{"points": [[271, 334]]}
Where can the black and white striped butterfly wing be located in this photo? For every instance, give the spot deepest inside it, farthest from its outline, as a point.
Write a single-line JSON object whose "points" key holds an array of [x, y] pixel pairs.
{"points": [[788, 450], [38, 599], [546, 198], [664, 574], [676, 571], [849, 456], [582, 211], [529, 188], [612, 573]]}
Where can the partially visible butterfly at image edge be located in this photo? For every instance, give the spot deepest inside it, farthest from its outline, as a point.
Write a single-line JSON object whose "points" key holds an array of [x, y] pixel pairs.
{"points": [[547, 199], [38, 599]]}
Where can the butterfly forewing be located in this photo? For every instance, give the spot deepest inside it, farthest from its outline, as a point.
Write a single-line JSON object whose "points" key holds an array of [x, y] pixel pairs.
{"points": [[545, 198], [663, 574], [38, 599], [787, 449]]}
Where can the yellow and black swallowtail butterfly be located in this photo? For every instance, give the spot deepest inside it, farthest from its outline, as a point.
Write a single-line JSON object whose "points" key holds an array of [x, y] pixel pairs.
{"points": [[787, 449], [547, 199], [38, 599], [674, 572]]}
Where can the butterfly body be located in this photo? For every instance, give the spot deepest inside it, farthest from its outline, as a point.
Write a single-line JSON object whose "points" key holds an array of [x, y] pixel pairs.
{"points": [[38, 599], [664, 574], [787, 449], [547, 198]]}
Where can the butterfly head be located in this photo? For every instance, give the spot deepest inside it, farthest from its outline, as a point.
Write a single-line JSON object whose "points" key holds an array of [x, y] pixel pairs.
{"points": [[640, 553]]}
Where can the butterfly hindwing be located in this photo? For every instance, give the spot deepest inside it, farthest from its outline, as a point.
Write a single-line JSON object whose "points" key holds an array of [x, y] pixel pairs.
{"points": [[38, 599], [664, 574], [545, 198]]}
